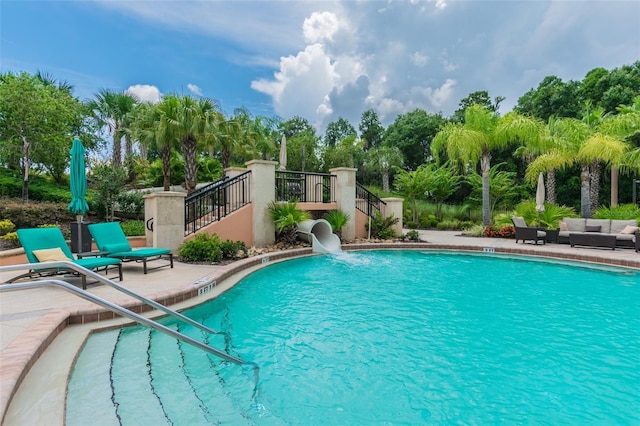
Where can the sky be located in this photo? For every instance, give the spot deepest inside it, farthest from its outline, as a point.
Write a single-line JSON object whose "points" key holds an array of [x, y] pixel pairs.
{"points": [[320, 60]]}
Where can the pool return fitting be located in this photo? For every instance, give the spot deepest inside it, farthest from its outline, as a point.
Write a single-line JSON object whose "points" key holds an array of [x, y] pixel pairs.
{"points": [[318, 232]]}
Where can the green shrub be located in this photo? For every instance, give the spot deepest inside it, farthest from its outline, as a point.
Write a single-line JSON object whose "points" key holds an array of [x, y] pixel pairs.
{"points": [[382, 227], [210, 248], [412, 235], [287, 217], [621, 212], [12, 239], [203, 247], [6, 226], [450, 225], [133, 228], [337, 219], [473, 231], [34, 213]]}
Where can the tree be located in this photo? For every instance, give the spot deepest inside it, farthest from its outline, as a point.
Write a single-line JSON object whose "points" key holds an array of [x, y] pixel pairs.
{"points": [[579, 144], [196, 119], [477, 98], [371, 130], [347, 153], [552, 97], [412, 186], [440, 184], [382, 160], [337, 131], [38, 120], [412, 134], [482, 132], [295, 126], [502, 185], [110, 109]]}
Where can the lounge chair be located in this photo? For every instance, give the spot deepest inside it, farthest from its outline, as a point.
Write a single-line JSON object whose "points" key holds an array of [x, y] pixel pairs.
{"points": [[527, 233], [42, 245], [110, 238]]}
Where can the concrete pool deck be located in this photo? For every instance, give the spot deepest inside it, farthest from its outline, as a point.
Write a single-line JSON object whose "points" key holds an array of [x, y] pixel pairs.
{"points": [[46, 326]]}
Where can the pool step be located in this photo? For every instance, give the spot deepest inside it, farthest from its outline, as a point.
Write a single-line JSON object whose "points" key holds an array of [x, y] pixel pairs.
{"points": [[89, 396]]}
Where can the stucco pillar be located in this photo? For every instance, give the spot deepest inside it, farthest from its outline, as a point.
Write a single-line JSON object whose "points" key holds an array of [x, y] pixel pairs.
{"points": [[164, 219], [263, 192], [346, 198], [394, 207], [232, 172]]}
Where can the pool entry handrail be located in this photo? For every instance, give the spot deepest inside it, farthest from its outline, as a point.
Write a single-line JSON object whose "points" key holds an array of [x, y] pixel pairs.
{"points": [[119, 309]]}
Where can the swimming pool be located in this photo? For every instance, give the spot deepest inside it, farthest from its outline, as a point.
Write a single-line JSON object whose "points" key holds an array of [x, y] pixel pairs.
{"points": [[384, 337]]}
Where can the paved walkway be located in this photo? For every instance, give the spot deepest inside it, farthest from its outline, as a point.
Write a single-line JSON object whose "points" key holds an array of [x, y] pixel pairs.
{"points": [[30, 320]]}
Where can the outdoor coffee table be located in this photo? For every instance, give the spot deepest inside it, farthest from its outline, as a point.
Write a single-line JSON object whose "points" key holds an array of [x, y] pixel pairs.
{"points": [[592, 240]]}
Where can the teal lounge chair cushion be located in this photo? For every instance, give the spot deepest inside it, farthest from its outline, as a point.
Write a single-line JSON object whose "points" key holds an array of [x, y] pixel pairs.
{"points": [[35, 239], [110, 238]]}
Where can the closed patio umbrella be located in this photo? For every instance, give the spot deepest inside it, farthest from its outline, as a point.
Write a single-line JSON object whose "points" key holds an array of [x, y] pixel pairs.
{"points": [[540, 197], [78, 185], [283, 153]]}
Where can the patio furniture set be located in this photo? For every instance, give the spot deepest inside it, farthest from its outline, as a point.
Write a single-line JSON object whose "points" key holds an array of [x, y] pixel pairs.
{"points": [[604, 233]]}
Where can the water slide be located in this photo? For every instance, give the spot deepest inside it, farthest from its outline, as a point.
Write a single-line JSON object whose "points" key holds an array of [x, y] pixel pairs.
{"points": [[318, 233]]}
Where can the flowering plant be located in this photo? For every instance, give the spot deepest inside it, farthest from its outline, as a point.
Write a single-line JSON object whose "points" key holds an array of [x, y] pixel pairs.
{"points": [[493, 231]]}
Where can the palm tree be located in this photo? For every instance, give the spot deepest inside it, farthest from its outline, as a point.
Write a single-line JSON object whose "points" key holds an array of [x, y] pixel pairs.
{"points": [[109, 109], [196, 119], [482, 132], [578, 144], [383, 159]]}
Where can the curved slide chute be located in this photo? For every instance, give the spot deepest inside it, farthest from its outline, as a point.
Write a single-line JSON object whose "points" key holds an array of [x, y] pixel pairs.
{"points": [[318, 233]]}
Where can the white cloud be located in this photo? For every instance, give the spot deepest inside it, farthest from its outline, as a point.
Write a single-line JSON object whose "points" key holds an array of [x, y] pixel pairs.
{"points": [[320, 27], [194, 89], [145, 93], [419, 59]]}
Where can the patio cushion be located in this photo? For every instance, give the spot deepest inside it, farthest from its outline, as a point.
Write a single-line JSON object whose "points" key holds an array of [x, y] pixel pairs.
{"points": [[629, 230], [604, 224], [575, 224], [619, 225], [117, 248]]}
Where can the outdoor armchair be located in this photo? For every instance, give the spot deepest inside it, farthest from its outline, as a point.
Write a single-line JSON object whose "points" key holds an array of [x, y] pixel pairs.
{"points": [[110, 238], [527, 233], [48, 244]]}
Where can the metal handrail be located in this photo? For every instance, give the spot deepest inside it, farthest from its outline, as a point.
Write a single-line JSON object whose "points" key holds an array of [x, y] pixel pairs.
{"points": [[213, 202], [116, 308], [372, 203]]}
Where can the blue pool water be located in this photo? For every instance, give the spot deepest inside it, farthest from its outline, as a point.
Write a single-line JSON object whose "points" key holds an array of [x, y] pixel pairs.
{"points": [[384, 337]]}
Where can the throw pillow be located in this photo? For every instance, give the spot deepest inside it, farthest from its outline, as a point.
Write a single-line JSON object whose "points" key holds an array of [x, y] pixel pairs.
{"points": [[629, 230], [592, 228], [563, 226], [50, 255]]}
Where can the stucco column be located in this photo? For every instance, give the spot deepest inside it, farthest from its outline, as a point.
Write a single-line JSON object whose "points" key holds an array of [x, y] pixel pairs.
{"points": [[263, 192], [394, 207], [232, 172], [164, 219], [346, 198]]}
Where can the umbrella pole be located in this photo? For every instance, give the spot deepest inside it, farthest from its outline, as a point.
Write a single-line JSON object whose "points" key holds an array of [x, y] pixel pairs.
{"points": [[79, 222]]}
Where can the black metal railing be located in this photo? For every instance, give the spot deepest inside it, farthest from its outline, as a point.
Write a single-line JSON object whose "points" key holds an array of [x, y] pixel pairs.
{"points": [[368, 202], [305, 187], [213, 202]]}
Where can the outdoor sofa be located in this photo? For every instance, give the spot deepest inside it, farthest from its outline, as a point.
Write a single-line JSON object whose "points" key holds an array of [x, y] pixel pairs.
{"points": [[589, 232]]}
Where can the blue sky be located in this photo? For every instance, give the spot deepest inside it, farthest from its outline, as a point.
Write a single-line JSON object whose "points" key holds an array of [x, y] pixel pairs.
{"points": [[318, 59]]}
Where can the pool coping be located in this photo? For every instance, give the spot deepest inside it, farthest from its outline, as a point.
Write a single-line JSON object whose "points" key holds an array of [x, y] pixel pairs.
{"points": [[17, 359]]}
